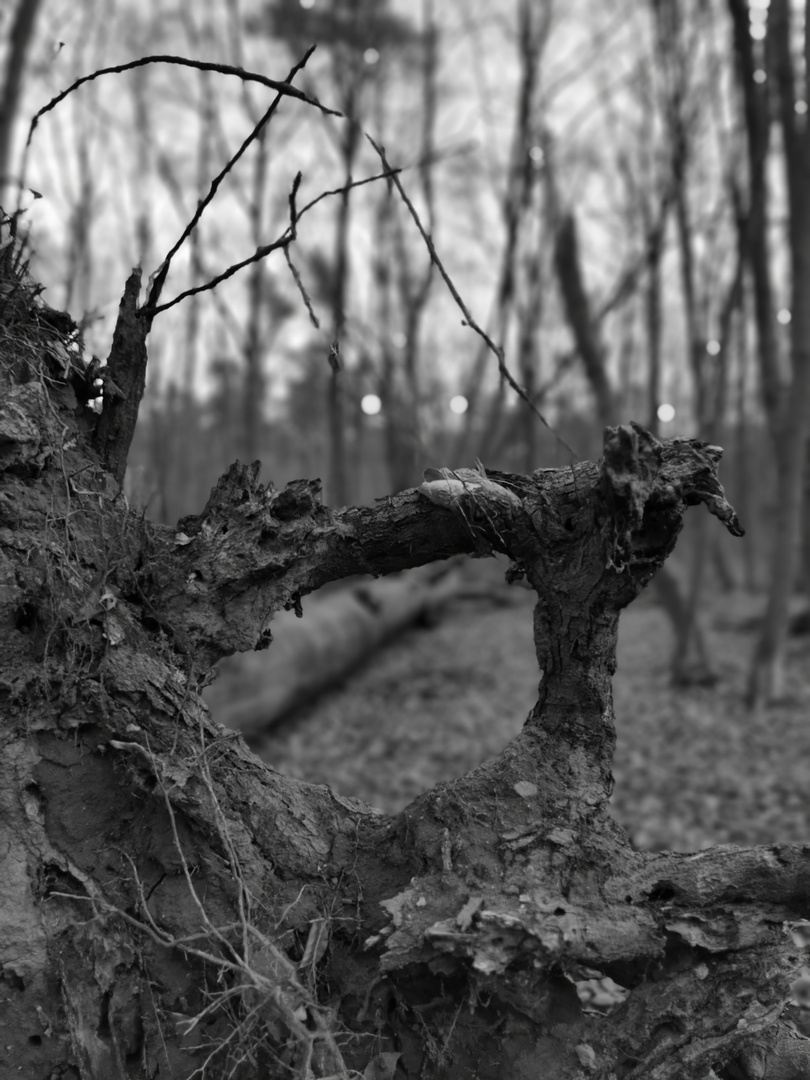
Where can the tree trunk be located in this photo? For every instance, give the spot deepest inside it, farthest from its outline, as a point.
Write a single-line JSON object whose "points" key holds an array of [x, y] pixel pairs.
{"points": [[253, 391], [173, 907], [787, 407], [578, 313], [338, 482], [22, 31], [690, 658], [768, 675], [399, 417], [479, 433]]}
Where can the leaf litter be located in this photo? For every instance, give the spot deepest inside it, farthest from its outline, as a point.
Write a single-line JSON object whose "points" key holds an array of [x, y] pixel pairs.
{"points": [[693, 767]]}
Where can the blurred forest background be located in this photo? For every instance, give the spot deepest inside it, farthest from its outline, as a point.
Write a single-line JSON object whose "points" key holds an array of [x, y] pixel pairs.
{"points": [[616, 191]]}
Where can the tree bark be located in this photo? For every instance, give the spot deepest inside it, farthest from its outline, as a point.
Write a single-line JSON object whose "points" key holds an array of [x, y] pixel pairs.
{"points": [[170, 906], [518, 204], [578, 313], [22, 31], [787, 406], [767, 675], [338, 482]]}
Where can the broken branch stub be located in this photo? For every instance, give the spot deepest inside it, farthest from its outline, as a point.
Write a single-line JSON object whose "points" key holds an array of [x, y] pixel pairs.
{"points": [[124, 381]]}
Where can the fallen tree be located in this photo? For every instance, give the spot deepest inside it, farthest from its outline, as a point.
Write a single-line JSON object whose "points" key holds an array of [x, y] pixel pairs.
{"points": [[169, 906], [254, 691]]}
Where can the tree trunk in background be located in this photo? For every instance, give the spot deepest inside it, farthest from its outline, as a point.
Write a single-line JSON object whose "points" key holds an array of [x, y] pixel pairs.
{"points": [[414, 288], [338, 474], [480, 433], [690, 658], [19, 41], [578, 313], [653, 321], [742, 452], [79, 271], [673, 54], [389, 369], [788, 409], [254, 388], [691, 663], [687, 628], [528, 358]]}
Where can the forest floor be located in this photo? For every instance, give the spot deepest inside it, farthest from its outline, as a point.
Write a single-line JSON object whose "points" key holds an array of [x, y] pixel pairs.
{"points": [[693, 767]]}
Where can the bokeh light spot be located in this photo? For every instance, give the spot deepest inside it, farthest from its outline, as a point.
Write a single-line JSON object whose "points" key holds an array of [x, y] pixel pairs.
{"points": [[666, 412], [459, 404], [370, 404]]}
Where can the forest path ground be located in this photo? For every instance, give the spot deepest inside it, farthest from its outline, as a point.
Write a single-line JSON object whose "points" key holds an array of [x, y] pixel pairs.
{"points": [[693, 768]]}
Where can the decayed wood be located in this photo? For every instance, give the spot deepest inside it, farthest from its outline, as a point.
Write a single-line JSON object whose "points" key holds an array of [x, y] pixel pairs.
{"points": [[124, 380], [168, 901]]}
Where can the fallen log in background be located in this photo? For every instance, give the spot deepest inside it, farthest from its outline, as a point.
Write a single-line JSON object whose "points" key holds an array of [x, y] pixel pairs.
{"points": [[338, 631]]}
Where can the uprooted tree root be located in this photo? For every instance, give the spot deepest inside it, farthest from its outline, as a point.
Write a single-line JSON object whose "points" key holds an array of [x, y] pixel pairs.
{"points": [[265, 1007]]}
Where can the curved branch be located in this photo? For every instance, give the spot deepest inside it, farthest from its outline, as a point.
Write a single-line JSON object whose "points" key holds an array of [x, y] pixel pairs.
{"points": [[216, 581]]}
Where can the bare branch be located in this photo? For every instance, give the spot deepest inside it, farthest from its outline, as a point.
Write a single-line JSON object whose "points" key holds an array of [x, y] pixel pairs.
{"points": [[160, 277], [496, 350], [283, 241], [283, 88]]}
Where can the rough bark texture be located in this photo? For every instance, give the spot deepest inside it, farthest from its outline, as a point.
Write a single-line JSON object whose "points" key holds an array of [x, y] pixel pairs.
{"points": [[786, 400], [169, 904], [19, 41], [125, 379]]}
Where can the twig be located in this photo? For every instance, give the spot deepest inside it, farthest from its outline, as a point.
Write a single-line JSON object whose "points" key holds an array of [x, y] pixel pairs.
{"points": [[496, 350], [302, 290], [389, 172], [259, 253], [283, 88], [160, 277], [262, 252]]}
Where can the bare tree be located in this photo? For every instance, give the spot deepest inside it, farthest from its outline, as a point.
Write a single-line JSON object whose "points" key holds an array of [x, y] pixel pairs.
{"points": [[518, 202], [665, 173], [773, 78], [20, 36], [404, 278], [353, 32], [688, 76]]}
